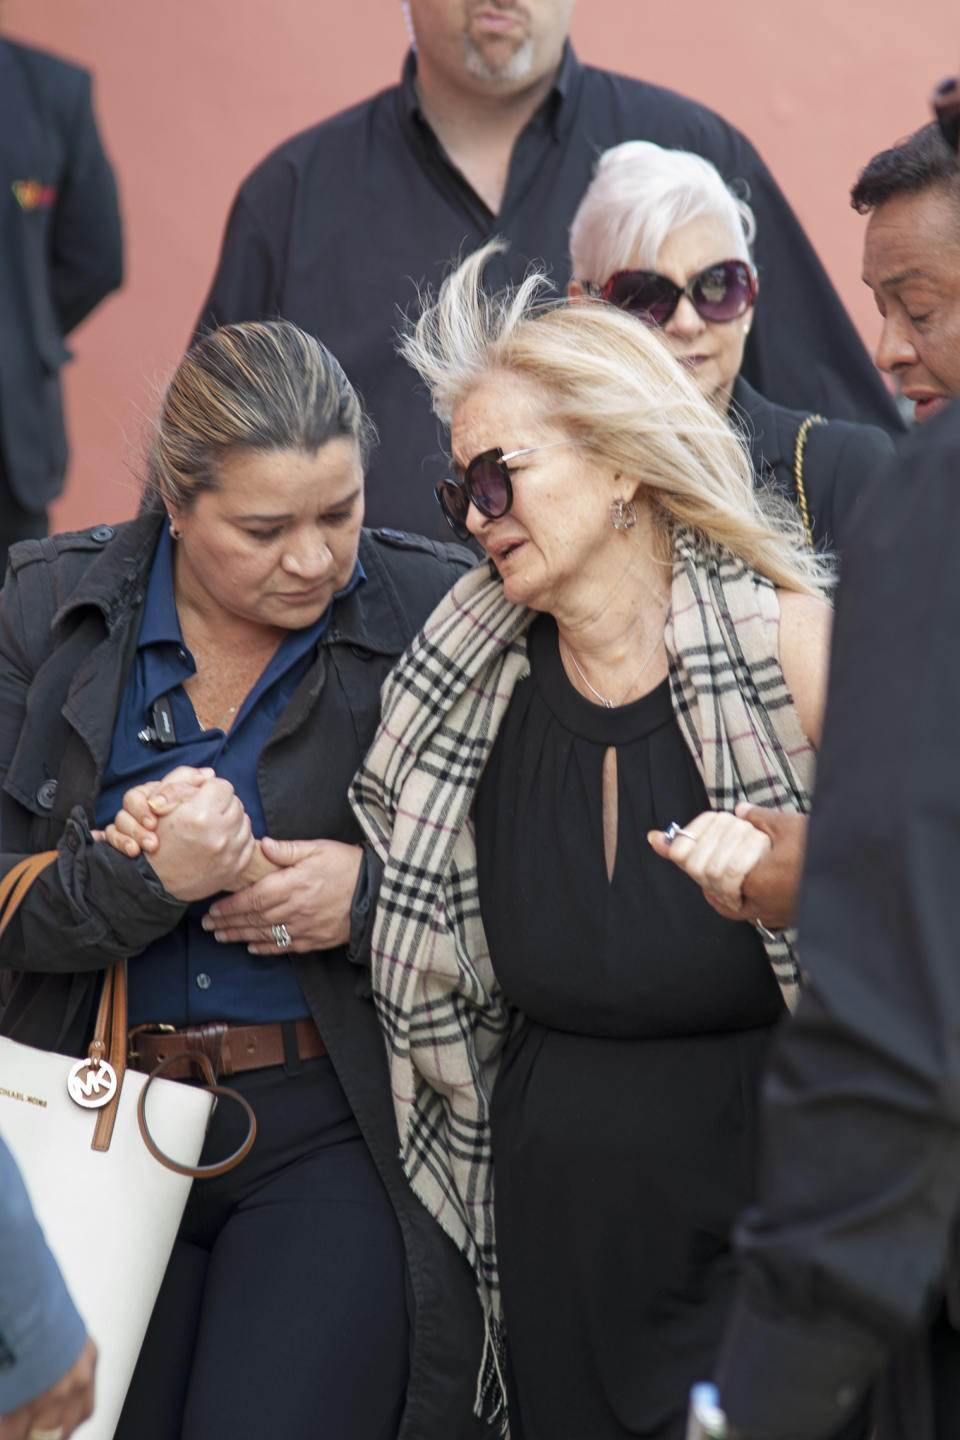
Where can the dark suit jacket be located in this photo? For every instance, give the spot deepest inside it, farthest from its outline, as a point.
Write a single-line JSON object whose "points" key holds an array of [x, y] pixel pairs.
{"points": [[849, 1249], [60, 254], [839, 460]]}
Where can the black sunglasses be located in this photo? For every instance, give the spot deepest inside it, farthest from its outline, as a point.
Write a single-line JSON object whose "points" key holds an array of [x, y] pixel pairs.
{"points": [[486, 484], [946, 107], [721, 292]]}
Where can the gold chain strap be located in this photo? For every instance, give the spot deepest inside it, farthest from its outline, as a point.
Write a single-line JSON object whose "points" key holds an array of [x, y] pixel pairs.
{"points": [[799, 446]]}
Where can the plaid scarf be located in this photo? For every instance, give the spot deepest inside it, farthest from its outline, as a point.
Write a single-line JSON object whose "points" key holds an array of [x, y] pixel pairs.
{"points": [[443, 1014]]}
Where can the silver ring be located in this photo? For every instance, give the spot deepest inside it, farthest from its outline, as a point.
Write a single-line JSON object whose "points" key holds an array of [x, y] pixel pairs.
{"points": [[282, 936], [675, 831], [56, 1432]]}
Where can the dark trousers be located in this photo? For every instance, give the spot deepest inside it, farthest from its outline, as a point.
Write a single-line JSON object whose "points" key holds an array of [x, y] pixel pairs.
{"points": [[283, 1310]]}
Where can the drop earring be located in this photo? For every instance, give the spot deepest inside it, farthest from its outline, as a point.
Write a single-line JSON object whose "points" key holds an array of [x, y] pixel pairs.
{"points": [[623, 514]]}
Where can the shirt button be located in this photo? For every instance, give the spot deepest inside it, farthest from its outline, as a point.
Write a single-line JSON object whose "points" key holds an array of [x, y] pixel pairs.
{"points": [[181, 653], [102, 533], [203, 981], [846, 1395]]}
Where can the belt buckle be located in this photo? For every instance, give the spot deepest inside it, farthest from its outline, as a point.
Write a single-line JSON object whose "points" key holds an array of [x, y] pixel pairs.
{"points": [[151, 1028]]}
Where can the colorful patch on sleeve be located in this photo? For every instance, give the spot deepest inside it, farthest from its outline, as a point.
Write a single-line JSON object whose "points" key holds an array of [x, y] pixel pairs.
{"points": [[33, 194]]}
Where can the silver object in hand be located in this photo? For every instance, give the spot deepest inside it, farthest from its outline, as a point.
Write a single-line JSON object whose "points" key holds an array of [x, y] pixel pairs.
{"points": [[282, 936]]}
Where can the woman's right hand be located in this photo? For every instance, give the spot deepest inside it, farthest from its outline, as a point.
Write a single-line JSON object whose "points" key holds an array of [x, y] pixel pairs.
{"points": [[134, 827], [204, 845]]}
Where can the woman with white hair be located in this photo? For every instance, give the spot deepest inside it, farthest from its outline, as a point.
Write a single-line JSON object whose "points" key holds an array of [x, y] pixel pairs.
{"points": [[658, 233], [647, 643]]}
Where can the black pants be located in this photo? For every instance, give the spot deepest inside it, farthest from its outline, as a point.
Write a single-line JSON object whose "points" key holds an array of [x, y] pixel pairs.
{"points": [[283, 1310]]}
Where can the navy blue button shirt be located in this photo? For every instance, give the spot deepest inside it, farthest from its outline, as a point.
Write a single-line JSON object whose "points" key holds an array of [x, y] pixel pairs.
{"points": [[187, 977]]}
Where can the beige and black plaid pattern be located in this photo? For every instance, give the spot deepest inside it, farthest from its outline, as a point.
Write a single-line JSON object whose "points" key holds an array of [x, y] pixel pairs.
{"points": [[442, 1012]]}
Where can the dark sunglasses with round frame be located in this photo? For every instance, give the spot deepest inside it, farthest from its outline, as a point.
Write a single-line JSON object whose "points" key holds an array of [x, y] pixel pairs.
{"points": [[486, 484], [719, 293]]}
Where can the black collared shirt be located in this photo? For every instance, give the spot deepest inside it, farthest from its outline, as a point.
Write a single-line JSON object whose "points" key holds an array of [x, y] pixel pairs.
{"points": [[338, 228]]}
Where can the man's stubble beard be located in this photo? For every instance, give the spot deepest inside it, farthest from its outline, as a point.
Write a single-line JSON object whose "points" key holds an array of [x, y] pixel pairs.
{"points": [[517, 67]]}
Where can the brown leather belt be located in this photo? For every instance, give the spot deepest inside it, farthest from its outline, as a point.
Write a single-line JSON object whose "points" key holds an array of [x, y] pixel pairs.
{"points": [[231, 1049]]}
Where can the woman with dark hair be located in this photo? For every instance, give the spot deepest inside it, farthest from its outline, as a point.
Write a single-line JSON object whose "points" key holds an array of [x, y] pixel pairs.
{"points": [[222, 656], [659, 234]]}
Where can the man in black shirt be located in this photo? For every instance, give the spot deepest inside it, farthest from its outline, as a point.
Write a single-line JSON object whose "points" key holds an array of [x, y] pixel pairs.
{"points": [[494, 130]]}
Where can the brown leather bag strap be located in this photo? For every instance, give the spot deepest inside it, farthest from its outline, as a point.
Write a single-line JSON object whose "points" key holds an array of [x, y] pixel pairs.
{"points": [[197, 1172], [110, 1043], [110, 1038], [17, 881]]}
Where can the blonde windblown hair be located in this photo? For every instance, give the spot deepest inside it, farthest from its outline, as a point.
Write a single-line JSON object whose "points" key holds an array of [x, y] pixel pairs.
{"points": [[614, 389]]}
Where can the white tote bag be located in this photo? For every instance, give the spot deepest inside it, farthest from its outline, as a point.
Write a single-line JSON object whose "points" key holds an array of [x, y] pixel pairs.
{"points": [[110, 1206]]}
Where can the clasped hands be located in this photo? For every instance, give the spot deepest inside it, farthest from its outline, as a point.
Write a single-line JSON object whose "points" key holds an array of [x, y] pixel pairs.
{"points": [[748, 862], [194, 830]]}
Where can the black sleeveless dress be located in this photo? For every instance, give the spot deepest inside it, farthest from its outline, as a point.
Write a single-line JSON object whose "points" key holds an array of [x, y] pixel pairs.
{"points": [[624, 1113]]}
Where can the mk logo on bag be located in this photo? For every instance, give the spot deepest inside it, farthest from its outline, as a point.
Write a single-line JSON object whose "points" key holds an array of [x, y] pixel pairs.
{"points": [[94, 1089]]}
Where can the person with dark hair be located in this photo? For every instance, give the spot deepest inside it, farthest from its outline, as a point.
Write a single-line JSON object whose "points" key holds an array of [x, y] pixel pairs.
{"points": [[62, 253], [494, 129], [911, 261], [221, 656], [850, 1261]]}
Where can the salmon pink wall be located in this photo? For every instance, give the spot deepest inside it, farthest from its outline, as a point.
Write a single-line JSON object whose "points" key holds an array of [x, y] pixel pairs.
{"points": [[191, 93]]}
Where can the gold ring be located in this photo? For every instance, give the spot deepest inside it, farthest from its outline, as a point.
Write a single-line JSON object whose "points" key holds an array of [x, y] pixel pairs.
{"points": [[55, 1432]]}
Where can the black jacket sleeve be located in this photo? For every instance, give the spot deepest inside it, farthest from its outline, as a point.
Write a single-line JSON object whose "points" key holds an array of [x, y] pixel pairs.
{"points": [[86, 258], [94, 906], [861, 1171]]}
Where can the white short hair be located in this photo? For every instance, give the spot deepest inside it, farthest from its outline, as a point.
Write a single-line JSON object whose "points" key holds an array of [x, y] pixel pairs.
{"points": [[639, 194]]}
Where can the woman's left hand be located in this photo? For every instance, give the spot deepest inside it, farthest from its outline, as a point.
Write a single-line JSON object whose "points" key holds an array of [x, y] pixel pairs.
{"points": [[719, 856], [310, 894]]}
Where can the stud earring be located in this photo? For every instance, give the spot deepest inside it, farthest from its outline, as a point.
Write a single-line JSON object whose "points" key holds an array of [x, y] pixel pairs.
{"points": [[623, 514], [174, 532]]}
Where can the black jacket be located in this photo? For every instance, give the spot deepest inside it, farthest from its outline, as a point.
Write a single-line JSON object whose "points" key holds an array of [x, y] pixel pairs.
{"points": [[853, 1244], [839, 460], [61, 254], [340, 225], [59, 692]]}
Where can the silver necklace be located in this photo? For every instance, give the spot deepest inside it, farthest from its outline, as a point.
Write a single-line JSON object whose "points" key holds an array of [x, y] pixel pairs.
{"points": [[220, 723], [605, 700]]}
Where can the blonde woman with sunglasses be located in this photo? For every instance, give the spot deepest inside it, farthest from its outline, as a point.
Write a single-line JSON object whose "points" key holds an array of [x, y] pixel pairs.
{"points": [[563, 1010]]}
